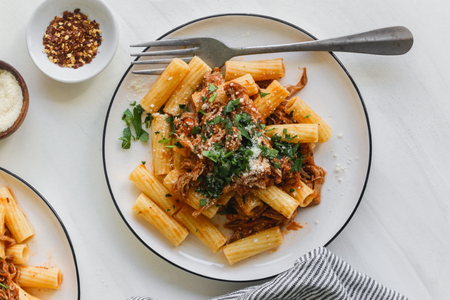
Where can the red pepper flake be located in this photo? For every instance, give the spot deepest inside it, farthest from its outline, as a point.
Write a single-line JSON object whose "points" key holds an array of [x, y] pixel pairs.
{"points": [[73, 40]]}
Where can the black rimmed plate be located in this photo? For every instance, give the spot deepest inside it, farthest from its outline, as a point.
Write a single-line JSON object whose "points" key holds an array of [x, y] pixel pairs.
{"points": [[51, 245], [330, 91]]}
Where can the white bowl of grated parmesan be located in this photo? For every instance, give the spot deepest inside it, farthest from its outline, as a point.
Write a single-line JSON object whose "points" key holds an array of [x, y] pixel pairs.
{"points": [[14, 100]]}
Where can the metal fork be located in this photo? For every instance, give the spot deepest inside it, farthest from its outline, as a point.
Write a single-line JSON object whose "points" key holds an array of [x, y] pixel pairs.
{"points": [[385, 41]]}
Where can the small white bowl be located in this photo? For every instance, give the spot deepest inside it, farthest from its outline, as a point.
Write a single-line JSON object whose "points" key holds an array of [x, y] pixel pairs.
{"points": [[96, 10]]}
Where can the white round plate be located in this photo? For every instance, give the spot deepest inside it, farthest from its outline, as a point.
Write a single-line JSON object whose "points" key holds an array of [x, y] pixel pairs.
{"points": [[46, 12], [330, 92], [51, 245]]}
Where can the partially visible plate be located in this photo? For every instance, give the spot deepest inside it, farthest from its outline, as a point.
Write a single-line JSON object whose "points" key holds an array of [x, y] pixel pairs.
{"points": [[330, 91], [51, 245]]}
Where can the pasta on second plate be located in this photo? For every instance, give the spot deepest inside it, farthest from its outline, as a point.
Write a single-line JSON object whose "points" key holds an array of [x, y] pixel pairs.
{"points": [[14, 253], [229, 144]]}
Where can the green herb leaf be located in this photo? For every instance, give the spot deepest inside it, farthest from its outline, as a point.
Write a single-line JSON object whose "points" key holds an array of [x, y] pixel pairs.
{"points": [[262, 95], [148, 120], [291, 114], [4, 286], [184, 107], [126, 138], [170, 146], [133, 103], [291, 190], [203, 202], [307, 116], [211, 99], [276, 165], [178, 145], [143, 162], [211, 88], [195, 130], [168, 195], [202, 112], [212, 155], [164, 141]]}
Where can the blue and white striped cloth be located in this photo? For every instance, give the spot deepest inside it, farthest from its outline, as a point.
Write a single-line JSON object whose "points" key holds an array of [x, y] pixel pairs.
{"points": [[317, 275]]}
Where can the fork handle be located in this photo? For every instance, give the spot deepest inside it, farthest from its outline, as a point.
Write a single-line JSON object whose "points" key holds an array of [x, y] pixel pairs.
{"points": [[385, 41]]}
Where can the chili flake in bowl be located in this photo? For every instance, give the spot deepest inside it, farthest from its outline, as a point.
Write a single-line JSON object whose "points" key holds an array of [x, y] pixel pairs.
{"points": [[72, 40]]}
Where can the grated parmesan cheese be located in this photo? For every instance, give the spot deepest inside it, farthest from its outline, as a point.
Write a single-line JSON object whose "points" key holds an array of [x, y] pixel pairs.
{"points": [[11, 100]]}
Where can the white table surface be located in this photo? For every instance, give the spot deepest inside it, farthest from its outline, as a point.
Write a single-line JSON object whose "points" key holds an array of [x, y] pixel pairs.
{"points": [[400, 234]]}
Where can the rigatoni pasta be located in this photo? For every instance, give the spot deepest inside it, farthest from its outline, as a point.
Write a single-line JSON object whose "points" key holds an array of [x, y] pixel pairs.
{"points": [[15, 219], [185, 89], [165, 86], [302, 113], [238, 148], [253, 245], [295, 133], [202, 228], [270, 99], [165, 224], [18, 253], [154, 189], [259, 70], [40, 277], [162, 155], [13, 277]]}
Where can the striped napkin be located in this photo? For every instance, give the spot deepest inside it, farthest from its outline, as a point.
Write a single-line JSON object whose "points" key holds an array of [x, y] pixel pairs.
{"points": [[317, 275]]}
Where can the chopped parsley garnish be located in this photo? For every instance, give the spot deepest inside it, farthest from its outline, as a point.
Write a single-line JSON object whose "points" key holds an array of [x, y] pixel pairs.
{"points": [[143, 162], [213, 97], [133, 119], [168, 195], [148, 120], [156, 132], [161, 110], [184, 107], [195, 130], [203, 99], [276, 165], [291, 190], [178, 145], [291, 114], [211, 88], [307, 116], [231, 106], [202, 112], [203, 202], [4, 286], [170, 146], [133, 103], [193, 89], [164, 141], [262, 95]]}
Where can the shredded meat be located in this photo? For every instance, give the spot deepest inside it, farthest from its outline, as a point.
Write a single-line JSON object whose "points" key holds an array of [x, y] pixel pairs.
{"points": [[9, 276], [292, 89], [210, 134]]}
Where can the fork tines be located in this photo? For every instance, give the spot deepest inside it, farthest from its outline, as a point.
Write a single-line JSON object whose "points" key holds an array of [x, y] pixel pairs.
{"points": [[165, 43]]}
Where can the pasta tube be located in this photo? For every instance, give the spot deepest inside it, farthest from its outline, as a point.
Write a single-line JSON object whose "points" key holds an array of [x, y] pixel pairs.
{"points": [[171, 179], [177, 160], [302, 113], [253, 245], [2, 230], [194, 200], [273, 96], [183, 92], [165, 224], [16, 221], [24, 295], [259, 70], [249, 203], [18, 253], [202, 228], [40, 277], [165, 86], [301, 192], [278, 200], [162, 155], [154, 189], [295, 133]]}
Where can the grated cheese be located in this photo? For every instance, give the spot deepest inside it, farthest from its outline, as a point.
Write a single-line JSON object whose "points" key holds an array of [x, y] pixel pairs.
{"points": [[11, 100]]}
